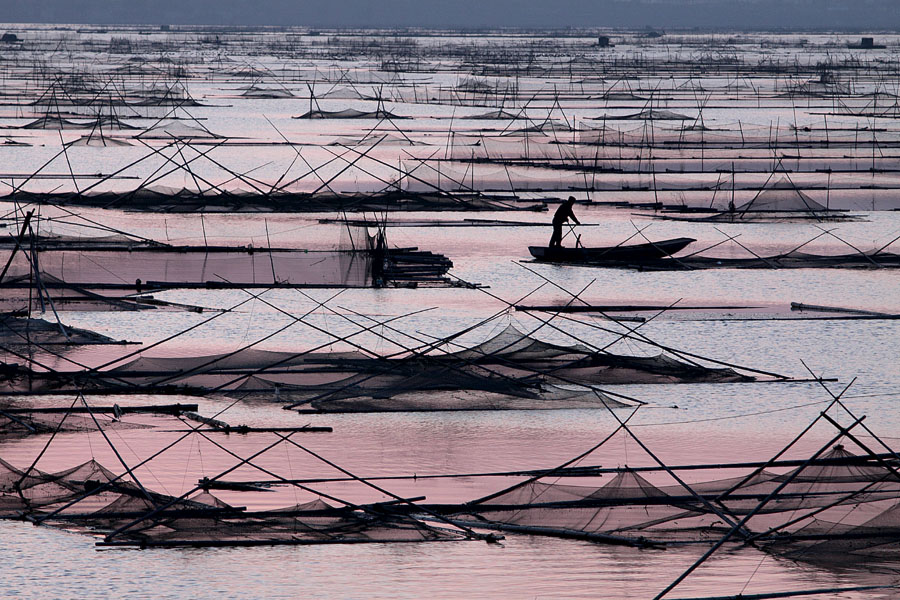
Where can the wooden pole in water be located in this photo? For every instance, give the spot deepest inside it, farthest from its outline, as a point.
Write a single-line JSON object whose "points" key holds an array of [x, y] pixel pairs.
{"points": [[106, 485], [552, 472], [158, 509], [420, 351], [730, 519], [37, 459], [205, 483], [790, 477], [813, 592], [469, 532], [863, 254], [18, 244], [112, 446]]}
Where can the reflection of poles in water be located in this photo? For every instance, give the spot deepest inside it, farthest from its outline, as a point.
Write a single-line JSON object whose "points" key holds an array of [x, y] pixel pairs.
{"points": [[379, 255], [731, 202]]}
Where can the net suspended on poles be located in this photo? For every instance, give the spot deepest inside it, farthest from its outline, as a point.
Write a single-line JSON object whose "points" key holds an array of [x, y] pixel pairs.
{"points": [[198, 520], [510, 370], [114, 263], [838, 505]]}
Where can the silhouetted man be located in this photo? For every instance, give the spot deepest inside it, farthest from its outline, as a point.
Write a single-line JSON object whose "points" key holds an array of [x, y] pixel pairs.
{"points": [[563, 214]]}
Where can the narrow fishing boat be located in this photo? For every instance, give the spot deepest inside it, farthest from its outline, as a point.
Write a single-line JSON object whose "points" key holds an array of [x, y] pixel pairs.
{"points": [[617, 254]]}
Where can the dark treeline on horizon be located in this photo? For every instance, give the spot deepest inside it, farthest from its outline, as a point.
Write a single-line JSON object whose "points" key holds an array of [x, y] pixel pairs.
{"points": [[805, 15]]}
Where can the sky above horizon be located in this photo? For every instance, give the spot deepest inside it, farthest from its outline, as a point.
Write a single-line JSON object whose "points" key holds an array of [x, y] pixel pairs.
{"points": [[679, 14]]}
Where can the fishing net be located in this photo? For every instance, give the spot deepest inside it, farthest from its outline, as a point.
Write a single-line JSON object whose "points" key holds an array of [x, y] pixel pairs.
{"points": [[781, 196], [195, 268], [343, 93], [651, 115], [51, 122], [19, 333], [312, 523], [16, 423], [99, 141], [105, 263], [509, 370], [544, 398], [826, 507], [349, 113], [91, 499], [268, 93], [178, 130], [498, 114], [24, 492], [835, 543], [473, 177]]}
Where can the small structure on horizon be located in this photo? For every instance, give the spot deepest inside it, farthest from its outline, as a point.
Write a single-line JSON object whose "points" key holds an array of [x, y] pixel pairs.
{"points": [[866, 43]]}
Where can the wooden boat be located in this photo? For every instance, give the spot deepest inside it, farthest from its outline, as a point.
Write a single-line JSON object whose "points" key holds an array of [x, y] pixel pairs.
{"points": [[616, 254]]}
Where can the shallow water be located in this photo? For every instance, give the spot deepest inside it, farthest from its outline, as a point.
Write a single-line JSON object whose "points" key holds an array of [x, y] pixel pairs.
{"points": [[521, 567]]}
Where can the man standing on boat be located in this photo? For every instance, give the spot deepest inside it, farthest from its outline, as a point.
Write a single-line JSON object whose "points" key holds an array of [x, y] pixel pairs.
{"points": [[563, 214]]}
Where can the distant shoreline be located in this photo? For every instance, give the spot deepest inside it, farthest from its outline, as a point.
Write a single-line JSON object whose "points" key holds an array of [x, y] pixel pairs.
{"points": [[820, 16]]}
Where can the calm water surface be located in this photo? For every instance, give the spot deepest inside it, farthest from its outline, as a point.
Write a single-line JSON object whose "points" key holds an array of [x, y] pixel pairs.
{"points": [[681, 423]]}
